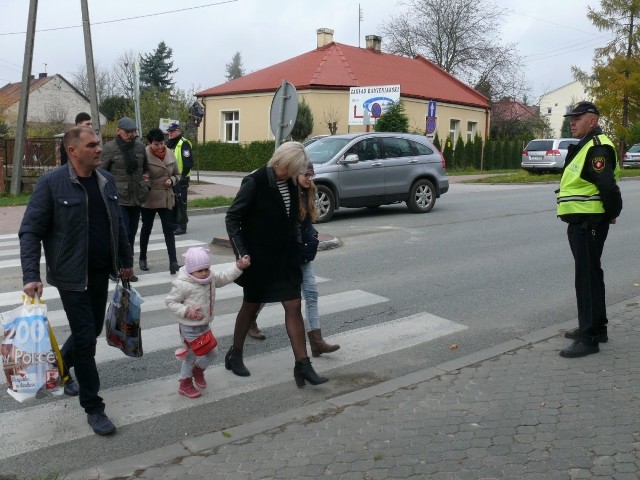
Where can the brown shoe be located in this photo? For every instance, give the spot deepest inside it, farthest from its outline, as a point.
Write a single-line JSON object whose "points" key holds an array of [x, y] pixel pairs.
{"points": [[318, 345], [254, 332]]}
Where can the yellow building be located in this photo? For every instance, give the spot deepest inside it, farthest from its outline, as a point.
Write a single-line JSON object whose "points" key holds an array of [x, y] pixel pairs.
{"points": [[239, 110]]}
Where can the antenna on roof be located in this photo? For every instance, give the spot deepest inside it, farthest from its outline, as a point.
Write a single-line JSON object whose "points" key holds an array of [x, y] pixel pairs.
{"points": [[45, 67], [359, 23]]}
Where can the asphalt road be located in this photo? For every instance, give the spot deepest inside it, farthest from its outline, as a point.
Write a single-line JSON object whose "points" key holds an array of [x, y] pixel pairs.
{"points": [[492, 258]]}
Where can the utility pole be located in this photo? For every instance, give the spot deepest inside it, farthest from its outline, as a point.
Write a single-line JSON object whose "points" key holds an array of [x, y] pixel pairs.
{"points": [[21, 125], [359, 23], [91, 73]]}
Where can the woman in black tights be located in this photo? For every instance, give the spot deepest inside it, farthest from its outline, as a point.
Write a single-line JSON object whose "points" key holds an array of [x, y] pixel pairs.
{"points": [[263, 223]]}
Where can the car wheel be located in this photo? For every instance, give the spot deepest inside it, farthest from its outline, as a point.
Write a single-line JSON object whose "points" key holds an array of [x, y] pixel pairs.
{"points": [[422, 196], [325, 204]]}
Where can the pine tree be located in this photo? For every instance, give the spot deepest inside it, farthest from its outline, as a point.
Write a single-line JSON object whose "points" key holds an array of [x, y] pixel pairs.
{"points": [[234, 67], [393, 119], [156, 69], [304, 122]]}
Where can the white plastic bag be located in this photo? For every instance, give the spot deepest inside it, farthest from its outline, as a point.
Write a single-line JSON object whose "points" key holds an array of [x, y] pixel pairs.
{"points": [[31, 359]]}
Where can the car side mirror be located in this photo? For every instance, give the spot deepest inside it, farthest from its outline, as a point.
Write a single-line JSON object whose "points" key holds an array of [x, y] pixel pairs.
{"points": [[349, 159]]}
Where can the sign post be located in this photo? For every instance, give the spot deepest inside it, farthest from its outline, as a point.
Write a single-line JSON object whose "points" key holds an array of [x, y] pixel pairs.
{"points": [[284, 110]]}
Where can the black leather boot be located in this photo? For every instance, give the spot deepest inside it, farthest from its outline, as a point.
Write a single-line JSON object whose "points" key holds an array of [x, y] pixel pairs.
{"points": [[304, 371], [233, 361]]}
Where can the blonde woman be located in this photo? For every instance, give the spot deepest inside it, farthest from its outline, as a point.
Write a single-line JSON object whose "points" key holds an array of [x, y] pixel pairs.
{"points": [[263, 224]]}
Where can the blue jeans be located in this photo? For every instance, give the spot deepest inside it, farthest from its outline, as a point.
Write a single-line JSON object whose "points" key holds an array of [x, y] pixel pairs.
{"points": [[310, 294], [85, 313]]}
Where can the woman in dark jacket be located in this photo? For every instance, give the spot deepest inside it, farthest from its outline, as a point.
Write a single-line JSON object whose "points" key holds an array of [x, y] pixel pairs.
{"points": [[263, 224]]}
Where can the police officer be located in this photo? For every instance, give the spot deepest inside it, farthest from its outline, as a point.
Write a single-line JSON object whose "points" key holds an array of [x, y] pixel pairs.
{"points": [[588, 200], [182, 150]]}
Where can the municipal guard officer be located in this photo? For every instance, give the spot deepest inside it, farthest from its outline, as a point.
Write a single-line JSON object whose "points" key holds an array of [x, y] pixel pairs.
{"points": [[588, 200], [182, 149]]}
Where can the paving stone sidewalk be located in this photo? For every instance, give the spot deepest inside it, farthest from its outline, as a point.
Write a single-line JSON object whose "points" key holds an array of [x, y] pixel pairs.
{"points": [[517, 411]]}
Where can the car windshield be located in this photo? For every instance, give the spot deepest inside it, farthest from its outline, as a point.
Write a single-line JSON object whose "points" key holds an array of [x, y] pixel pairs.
{"points": [[635, 148], [324, 149], [565, 144], [539, 145]]}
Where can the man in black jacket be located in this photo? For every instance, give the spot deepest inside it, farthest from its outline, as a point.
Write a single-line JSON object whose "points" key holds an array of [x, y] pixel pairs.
{"points": [[589, 200], [74, 214]]}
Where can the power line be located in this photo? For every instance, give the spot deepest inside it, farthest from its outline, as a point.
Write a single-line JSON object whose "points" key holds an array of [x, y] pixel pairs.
{"points": [[126, 19]]}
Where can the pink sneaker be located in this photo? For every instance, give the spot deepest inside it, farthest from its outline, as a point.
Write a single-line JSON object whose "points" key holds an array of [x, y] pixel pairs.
{"points": [[181, 353], [187, 389]]}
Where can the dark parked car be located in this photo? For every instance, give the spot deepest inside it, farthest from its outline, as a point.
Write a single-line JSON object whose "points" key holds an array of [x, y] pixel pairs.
{"points": [[546, 154], [373, 169]]}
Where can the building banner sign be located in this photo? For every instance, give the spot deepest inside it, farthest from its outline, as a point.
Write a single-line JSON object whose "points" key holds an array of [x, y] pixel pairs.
{"points": [[366, 104]]}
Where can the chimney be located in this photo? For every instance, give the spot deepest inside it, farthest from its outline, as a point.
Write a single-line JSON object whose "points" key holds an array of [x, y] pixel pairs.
{"points": [[325, 37], [42, 75], [32, 77], [374, 42]]}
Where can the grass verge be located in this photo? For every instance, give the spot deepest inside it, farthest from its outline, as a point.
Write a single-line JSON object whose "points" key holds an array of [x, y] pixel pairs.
{"points": [[522, 176]]}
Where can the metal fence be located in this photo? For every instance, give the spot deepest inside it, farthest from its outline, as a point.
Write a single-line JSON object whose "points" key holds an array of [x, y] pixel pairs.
{"points": [[40, 156]]}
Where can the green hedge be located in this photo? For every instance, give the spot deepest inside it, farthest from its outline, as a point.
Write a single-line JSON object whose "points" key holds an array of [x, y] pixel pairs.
{"points": [[236, 157], [232, 157]]}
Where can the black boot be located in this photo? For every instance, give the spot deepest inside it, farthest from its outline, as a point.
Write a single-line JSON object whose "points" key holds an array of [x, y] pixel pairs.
{"points": [[304, 371], [233, 361]]}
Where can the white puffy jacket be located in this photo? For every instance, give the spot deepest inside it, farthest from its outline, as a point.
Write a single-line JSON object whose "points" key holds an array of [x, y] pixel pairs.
{"points": [[187, 292]]}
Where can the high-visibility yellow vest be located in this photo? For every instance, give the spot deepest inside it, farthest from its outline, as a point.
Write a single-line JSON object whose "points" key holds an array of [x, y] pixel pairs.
{"points": [[577, 195], [178, 154]]}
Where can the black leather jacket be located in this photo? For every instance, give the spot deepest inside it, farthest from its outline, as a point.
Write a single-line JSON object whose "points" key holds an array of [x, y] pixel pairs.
{"points": [[57, 218]]}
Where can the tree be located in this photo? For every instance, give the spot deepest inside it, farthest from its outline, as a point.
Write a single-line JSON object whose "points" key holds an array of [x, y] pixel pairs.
{"points": [[565, 130], [117, 106], [393, 119], [615, 82], [234, 67], [461, 37], [156, 104], [331, 119], [123, 73], [156, 68], [105, 86], [304, 122]]}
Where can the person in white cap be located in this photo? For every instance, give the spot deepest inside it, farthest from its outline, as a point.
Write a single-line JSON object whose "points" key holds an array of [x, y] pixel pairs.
{"points": [[192, 299]]}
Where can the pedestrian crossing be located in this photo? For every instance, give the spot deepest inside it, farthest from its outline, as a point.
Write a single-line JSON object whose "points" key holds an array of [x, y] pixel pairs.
{"points": [[31, 427]]}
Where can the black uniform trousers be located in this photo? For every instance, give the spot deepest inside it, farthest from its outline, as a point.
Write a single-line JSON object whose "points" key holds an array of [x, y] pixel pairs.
{"points": [[587, 242]]}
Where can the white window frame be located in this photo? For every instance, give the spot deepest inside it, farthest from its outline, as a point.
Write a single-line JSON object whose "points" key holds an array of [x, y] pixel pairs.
{"points": [[454, 128], [233, 123], [472, 129]]}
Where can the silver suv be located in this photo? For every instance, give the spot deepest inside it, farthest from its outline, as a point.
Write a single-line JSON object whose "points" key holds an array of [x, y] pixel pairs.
{"points": [[546, 154], [373, 169]]}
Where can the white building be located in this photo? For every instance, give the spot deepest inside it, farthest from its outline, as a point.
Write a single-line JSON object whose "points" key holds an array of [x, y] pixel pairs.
{"points": [[554, 104], [51, 99]]}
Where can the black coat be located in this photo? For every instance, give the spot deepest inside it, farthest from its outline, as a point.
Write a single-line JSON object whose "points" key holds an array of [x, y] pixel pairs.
{"points": [[258, 226], [57, 218]]}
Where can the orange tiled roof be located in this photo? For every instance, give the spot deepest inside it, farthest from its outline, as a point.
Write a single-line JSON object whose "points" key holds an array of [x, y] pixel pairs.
{"points": [[338, 66]]}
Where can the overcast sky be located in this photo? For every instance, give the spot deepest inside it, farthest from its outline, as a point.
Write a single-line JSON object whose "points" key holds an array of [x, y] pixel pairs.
{"points": [[551, 35]]}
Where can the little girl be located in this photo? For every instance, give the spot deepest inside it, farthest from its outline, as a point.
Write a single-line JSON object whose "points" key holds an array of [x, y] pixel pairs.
{"points": [[191, 299]]}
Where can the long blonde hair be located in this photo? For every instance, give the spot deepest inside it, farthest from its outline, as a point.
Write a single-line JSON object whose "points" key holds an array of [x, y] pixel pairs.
{"points": [[290, 155], [308, 207]]}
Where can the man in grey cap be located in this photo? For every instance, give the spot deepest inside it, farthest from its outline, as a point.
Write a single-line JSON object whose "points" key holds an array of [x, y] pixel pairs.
{"points": [[125, 157], [589, 201]]}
